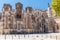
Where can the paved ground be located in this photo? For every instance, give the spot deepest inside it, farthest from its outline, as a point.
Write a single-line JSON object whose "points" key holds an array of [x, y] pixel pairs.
{"points": [[52, 36]]}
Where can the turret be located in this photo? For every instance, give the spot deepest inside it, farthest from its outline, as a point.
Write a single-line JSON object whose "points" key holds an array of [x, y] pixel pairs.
{"points": [[7, 7], [28, 9], [19, 8]]}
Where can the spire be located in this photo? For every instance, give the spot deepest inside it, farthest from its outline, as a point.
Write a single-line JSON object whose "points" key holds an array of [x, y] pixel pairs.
{"points": [[49, 11], [48, 5]]}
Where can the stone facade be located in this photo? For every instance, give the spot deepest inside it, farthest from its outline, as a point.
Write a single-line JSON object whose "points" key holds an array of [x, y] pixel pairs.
{"points": [[27, 21]]}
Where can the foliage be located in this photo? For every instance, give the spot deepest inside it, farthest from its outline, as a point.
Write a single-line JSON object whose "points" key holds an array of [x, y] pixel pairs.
{"points": [[56, 6]]}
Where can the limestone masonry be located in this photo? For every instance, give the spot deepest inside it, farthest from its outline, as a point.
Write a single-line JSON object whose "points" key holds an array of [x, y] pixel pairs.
{"points": [[20, 21]]}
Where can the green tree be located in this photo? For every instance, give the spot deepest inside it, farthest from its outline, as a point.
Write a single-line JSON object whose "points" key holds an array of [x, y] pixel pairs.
{"points": [[56, 6]]}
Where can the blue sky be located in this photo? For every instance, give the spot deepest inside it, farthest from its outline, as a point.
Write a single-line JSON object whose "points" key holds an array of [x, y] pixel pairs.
{"points": [[35, 4]]}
